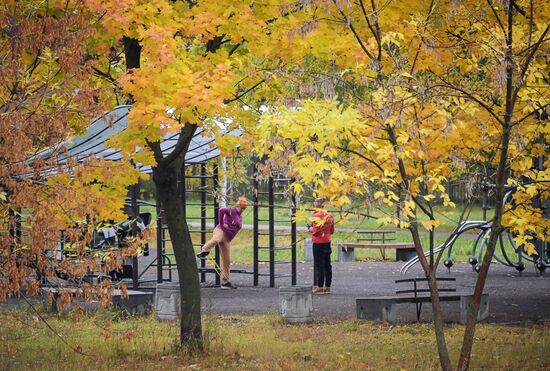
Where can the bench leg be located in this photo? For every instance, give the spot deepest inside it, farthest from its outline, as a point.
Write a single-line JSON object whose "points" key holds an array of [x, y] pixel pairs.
{"points": [[375, 310], [345, 255], [483, 313]]}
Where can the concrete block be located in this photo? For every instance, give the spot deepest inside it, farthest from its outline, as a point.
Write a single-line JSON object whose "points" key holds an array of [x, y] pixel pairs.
{"points": [[167, 301], [483, 312], [375, 309], [345, 255], [308, 249], [137, 302], [296, 303]]}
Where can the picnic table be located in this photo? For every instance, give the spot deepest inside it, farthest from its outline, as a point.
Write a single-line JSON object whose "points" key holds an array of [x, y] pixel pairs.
{"points": [[376, 239]]}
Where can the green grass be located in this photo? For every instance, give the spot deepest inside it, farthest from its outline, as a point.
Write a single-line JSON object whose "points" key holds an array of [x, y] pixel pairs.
{"points": [[355, 218], [242, 251], [242, 246], [256, 343]]}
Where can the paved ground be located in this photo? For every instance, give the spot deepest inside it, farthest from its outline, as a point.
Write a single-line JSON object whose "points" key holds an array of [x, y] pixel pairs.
{"points": [[512, 298]]}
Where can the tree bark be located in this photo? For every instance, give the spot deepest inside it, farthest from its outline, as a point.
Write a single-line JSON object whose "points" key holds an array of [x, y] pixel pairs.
{"points": [[430, 273], [165, 176]]}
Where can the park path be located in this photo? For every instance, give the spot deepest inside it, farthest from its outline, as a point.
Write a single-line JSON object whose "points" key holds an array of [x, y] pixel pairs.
{"points": [[513, 297]]}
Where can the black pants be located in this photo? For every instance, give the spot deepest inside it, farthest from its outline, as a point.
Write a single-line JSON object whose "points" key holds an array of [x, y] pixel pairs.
{"points": [[322, 269]]}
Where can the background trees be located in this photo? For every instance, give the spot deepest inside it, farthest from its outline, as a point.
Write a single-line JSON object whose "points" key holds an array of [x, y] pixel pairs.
{"points": [[47, 92]]}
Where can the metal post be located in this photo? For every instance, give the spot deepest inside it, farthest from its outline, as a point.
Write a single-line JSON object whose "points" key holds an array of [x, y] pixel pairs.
{"points": [[271, 234], [203, 214], [293, 236], [160, 243], [215, 182], [135, 210], [255, 191]]}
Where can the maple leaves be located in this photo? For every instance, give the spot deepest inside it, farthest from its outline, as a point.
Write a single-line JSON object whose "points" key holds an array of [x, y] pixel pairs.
{"points": [[47, 93]]}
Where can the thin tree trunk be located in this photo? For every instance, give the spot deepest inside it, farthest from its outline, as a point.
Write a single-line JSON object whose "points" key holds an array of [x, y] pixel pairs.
{"points": [[496, 229], [442, 350]]}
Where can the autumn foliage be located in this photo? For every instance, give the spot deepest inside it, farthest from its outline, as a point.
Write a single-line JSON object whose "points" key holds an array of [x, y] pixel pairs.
{"points": [[47, 93]]}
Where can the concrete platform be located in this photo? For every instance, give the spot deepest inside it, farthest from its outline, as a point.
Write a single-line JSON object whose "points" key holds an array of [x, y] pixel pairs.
{"points": [[137, 302], [513, 298]]}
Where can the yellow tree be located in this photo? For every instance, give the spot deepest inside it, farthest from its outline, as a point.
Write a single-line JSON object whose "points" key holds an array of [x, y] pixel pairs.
{"points": [[500, 64], [186, 62], [414, 100]]}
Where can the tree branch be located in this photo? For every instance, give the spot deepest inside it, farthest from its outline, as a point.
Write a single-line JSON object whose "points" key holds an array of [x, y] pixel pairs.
{"points": [[501, 25], [374, 32], [369, 54], [239, 96], [186, 134], [528, 60], [470, 97]]}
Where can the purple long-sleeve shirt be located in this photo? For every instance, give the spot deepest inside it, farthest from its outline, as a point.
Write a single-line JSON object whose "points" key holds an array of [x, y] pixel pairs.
{"points": [[229, 216]]}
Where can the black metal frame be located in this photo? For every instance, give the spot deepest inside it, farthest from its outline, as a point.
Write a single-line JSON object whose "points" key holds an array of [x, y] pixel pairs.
{"points": [[260, 192], [415, 290]]}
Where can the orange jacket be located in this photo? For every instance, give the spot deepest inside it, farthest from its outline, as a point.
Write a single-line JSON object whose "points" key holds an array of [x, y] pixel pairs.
{"points": [[322, 227]]}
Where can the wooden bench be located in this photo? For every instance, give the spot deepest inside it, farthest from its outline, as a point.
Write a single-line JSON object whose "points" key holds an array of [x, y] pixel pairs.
{"points": [[376, 239], [404, 251], [383, 308]]}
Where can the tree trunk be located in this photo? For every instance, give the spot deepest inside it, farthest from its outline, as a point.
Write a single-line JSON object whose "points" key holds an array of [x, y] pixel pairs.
{"points": [[496, 227], [165, 177], [430, 273]]}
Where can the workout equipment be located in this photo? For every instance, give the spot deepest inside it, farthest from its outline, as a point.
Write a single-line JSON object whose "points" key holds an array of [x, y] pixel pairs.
{"points": [[506, 253]]}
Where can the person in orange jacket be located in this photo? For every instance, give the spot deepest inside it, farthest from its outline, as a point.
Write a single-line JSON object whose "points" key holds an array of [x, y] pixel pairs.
{"points": [[322, 228]]}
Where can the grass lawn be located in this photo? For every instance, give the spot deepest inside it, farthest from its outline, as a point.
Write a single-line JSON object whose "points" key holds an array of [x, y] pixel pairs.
{"points": [[242, 246], [354, 218], [255, 342]]}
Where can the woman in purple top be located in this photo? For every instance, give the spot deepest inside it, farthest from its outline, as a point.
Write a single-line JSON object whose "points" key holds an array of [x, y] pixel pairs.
{"points": [[230, 222]]}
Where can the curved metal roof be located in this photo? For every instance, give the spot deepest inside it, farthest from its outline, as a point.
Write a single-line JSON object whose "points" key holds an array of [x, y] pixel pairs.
{"points": [[92, 143]]}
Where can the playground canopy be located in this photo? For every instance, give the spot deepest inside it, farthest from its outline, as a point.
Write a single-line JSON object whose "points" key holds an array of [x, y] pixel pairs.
{"points": [[92, 143]]}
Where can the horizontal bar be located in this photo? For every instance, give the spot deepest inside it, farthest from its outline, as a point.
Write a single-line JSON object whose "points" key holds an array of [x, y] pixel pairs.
{"points": [[275, 248], [275, 234], [199, 204], [376, 231], [274, 206], [212, 270], [425, 279], [276, 261], [375, 239], [422, 290], [275, 221], [199, 176]]}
